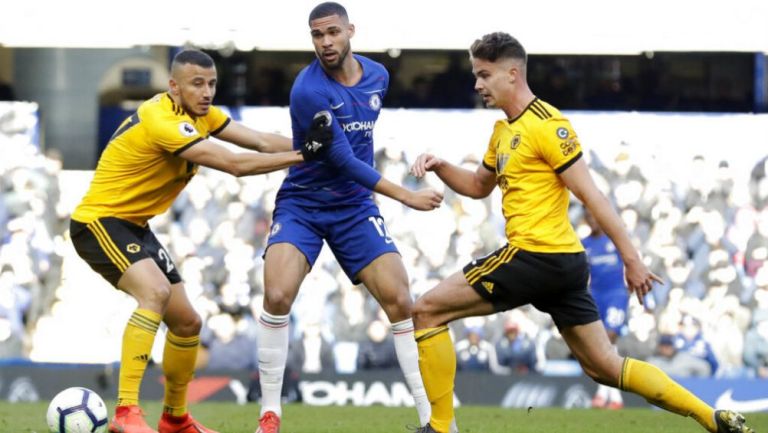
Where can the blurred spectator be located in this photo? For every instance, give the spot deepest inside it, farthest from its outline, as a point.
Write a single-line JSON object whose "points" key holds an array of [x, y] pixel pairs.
{"points": [[14, 304], [378, 351], [225, 345], [474, 353], [313, 352], [515, 349], [676, 363], [690, 340]]}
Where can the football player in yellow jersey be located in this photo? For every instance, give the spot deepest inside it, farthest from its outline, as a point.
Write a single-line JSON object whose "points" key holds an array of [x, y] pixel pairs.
{"points": [[535, 158], [146, 164]]}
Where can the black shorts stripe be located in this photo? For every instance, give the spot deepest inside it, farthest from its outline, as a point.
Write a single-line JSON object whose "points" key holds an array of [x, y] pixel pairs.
{"points": [[504, 258], [490, 264], [108, 246]]}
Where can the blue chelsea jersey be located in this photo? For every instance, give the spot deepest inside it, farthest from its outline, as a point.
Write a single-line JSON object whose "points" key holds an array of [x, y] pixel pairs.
{"points": [[605, 265], [340, 178]]}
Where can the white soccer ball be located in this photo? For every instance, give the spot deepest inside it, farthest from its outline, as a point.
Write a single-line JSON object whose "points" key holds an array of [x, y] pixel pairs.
{"points": [[77, 410]]}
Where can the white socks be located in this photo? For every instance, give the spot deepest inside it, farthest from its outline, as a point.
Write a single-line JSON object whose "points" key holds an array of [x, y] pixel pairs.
{"points": [[273, 354], [408, 357]]}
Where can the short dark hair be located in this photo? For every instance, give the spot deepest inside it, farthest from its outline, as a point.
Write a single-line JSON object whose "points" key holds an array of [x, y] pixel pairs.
{"points": [[327, 9], [193, 56], [498, 45]]}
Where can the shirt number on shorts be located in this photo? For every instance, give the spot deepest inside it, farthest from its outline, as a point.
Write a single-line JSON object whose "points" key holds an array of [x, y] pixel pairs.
{"points": [[167, 260], [378, 222]]}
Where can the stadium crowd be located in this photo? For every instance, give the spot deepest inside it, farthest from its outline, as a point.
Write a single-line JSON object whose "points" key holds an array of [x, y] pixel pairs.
{"points": [[707, 238]]}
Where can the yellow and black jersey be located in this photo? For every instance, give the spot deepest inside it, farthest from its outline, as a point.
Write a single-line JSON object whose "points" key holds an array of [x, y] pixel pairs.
{"points": [[140, 173], [527, 154]]}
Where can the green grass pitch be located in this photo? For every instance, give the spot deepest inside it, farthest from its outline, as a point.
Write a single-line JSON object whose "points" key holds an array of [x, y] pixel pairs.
{"points": [[231, 418]]}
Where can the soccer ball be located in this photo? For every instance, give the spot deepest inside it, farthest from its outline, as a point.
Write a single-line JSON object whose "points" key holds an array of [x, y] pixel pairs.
{"points": [[77, 410]]}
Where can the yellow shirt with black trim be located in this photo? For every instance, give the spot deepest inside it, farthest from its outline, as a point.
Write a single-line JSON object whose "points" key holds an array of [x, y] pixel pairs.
{"points": [[140, 173], [527, 154]]}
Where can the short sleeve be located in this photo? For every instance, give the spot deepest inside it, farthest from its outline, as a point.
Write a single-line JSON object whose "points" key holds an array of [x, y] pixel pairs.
{"points": [[489, 159], [171, 133], [558, 144], [216, 120]]}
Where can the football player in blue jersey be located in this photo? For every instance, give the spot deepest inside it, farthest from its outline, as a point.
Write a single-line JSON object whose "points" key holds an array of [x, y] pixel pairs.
{"points": [[332, 201], [606, 271]]}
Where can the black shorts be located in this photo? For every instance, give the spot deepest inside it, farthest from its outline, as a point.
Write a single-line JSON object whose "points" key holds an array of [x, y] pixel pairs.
{"points": [[110, 245], [555, 283]]}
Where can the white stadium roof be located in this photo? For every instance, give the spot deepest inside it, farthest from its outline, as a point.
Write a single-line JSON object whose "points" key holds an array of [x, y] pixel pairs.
{"points": [[551, 27]]}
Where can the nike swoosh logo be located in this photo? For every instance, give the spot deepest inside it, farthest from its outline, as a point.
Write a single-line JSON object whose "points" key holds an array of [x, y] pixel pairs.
{"points": [[726, 401], [336, 107]]}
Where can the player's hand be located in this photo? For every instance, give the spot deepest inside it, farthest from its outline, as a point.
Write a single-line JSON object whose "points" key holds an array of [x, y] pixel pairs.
{"points": [[639, 279], [424, 199], [424, 163], [319, 137]]}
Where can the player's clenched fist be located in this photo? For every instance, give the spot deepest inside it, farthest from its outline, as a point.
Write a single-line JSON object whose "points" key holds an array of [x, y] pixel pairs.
{"points": [[424, 163], [424, 199], [319, 137]]}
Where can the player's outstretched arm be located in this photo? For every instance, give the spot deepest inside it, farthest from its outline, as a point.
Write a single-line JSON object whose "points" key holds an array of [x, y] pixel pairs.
{"points": [[423, 199], [477, 184], [578, 179], [210, 154], [243, 136]]}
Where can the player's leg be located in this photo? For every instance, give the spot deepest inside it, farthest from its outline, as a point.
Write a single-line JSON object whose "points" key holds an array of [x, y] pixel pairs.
{"points": [[114, 249], [293, 246], [451, 299], [386, 279], [361, 243], [590, 346], [182, 343]]}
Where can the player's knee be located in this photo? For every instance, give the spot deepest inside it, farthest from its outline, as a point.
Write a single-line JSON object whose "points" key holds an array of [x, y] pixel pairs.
{"points": [[155, 297], [190, 325], [277, 302], [422, 318], [599, 375]]}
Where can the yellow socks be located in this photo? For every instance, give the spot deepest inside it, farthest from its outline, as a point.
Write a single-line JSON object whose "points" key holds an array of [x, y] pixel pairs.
{"points": [[437, 362], [179, 357], [657, 388], [137, 345]]}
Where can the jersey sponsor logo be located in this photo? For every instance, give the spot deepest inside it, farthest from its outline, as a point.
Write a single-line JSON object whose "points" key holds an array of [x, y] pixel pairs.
{"points": [[358, 126], [569, 146], [515, 141], [133, 248], [562, 133], [754, 405], [275, 229], [187, 129], [336, 107], [375, 102], [501, 162]]}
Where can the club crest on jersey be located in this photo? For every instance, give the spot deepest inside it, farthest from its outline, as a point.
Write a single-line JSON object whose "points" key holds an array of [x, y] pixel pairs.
{"points": [[375, 102], [515, 141], [562, 133], [187, 129], [133, 248]]}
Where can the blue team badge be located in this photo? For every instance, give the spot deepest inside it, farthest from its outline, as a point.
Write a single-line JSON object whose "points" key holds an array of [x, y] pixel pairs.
{"points": [[562, 133], [375, 102]]}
